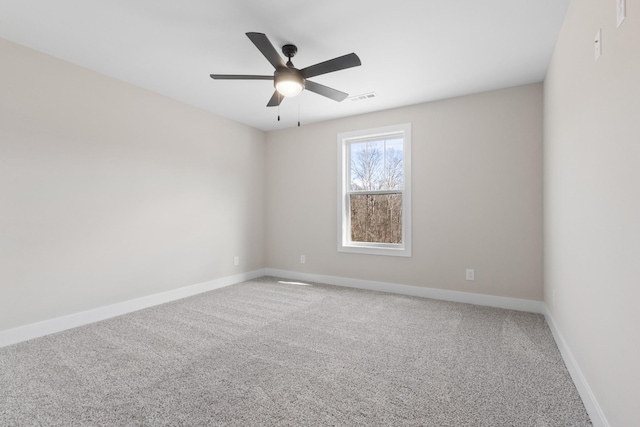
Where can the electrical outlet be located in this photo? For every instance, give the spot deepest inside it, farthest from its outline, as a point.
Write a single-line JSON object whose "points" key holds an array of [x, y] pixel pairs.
{"points": [[236, 260], [471, 274], [303, 259], [621, 11]]}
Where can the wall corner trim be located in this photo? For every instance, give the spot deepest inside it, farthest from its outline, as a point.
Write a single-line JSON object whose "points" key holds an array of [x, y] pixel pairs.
{"points": [[416, 291], [588, 397], [59, 324]]}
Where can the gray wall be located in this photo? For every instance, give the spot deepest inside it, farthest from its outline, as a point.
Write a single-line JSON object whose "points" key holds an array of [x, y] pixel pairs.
{"points": [[477, 196], [592, 200], [109, 192]]}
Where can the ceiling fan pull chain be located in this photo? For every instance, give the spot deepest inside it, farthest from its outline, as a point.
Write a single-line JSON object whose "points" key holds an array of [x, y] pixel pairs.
{"points": [[279, 106], [298, 115]]}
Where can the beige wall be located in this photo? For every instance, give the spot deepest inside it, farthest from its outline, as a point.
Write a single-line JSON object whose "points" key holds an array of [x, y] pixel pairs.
{"points": [[109, 192], [477, 196], [592, 200]]}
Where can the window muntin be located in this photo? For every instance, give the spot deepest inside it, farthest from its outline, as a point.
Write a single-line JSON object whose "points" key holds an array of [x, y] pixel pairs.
{"points": [[374, 191]]}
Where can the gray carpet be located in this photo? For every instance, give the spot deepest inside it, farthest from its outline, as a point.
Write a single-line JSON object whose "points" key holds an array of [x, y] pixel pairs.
{"points": [[268, 353]]}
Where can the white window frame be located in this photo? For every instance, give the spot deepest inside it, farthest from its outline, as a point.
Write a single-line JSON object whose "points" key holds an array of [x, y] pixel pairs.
{"points": [[344, 211]]}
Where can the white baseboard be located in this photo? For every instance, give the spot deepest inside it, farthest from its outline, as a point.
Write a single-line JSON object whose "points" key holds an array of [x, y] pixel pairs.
{"points": [[417, 291], [59, 324], [588, 398]]}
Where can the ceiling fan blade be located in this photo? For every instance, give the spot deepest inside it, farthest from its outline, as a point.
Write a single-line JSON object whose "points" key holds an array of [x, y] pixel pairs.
{"points": [[264, 45], [275, 100], [334, 94], [335, 64], [239, 77]]}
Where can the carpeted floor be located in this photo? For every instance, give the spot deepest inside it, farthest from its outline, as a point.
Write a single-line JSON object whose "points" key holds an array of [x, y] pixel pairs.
{"points": [[268, 353]]}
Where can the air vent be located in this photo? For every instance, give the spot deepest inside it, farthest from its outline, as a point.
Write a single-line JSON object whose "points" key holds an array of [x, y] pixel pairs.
{"points": [[363, 97]]}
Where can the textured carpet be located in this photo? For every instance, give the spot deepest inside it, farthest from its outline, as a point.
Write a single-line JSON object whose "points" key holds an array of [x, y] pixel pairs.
{"points": [[268, 353]]}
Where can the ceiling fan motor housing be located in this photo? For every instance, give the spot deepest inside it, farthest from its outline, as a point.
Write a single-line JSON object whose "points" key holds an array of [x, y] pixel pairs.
{"points": [[289, 50]]}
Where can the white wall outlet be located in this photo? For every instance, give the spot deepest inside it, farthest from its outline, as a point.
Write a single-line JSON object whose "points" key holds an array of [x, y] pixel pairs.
{"points": [[471, 274], [621, 11], [236, 260], [598, 44], [303, 259]]}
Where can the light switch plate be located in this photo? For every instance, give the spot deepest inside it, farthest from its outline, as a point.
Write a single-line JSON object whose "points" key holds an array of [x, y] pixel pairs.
{"points": [[598, 44], [621, 11]]}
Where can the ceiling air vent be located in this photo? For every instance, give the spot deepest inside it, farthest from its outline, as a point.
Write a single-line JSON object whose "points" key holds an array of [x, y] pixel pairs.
{"points": [[363, 97]]}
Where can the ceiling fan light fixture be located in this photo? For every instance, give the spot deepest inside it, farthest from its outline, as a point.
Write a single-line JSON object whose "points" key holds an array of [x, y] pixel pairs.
{"points": [[289, 84]]}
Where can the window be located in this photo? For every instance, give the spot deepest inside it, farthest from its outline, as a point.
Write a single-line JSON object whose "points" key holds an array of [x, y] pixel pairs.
{"points": [[374, 191]]}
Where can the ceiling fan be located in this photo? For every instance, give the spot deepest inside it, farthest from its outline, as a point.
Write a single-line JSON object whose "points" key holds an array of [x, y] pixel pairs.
{"points": [[290, 81]]}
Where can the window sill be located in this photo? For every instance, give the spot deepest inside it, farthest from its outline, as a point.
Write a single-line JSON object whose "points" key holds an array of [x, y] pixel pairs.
{"points": [[375, 250]]}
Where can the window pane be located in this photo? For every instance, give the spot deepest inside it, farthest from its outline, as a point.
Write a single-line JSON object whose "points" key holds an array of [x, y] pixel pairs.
{"points": [[367, 165], [376, 218], [376, 165], [393, 168]]}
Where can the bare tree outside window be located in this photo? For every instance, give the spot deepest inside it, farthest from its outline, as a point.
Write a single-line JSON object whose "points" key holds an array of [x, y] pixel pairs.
{"points": [[375, 196]]}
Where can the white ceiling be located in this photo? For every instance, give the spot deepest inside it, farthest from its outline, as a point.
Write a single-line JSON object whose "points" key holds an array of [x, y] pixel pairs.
{"points": [[412, 51]]}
